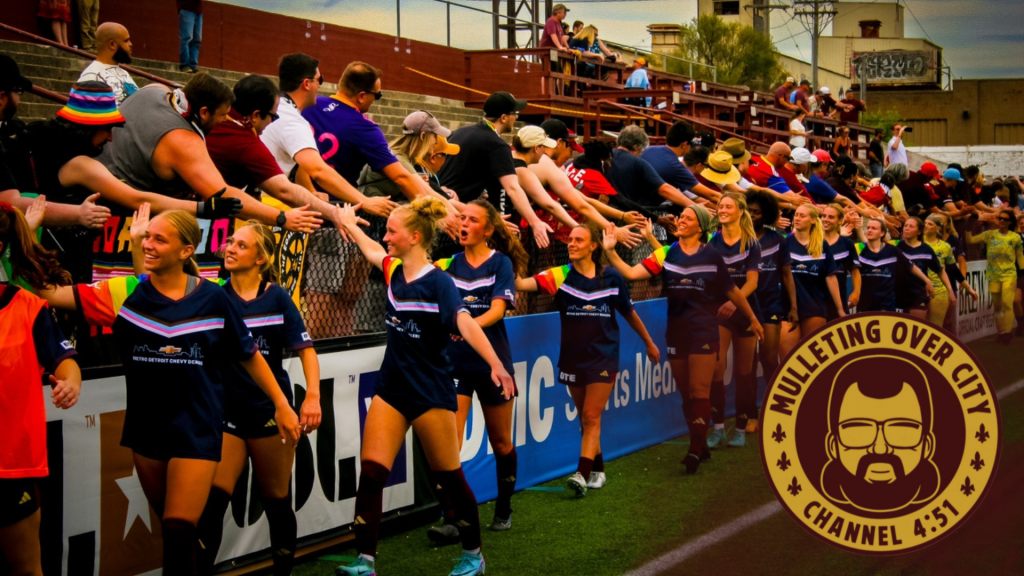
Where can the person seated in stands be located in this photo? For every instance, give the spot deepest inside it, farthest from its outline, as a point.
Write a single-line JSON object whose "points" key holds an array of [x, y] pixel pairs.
{"points": [[113, 48], [58, 158], [554, 35], [161, 149], [244, 160], [850, 108], [485, 167], [800, 97], [640, 186], [86, 214], [782, 95], [666, 161], [638, 80]]}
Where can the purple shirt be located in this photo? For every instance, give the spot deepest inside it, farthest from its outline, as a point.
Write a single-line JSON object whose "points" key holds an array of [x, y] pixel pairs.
{"points": [[553, 27]]}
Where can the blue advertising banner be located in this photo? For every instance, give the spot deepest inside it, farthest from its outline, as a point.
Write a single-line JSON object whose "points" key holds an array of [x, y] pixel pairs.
{"points": [[645, 407]]}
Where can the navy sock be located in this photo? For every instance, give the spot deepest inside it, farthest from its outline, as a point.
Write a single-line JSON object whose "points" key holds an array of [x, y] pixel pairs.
{"points": [[701, 415], [283, 533], [467, 515], [180, 541], [507, 466], [211, 529], [585, 466], [599, 462], [718, 402]]}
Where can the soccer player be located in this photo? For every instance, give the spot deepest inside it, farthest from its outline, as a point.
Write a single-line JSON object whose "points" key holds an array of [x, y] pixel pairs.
{"points": [[485, 275], [30, 343], [414, 387], [945, 296], [177, 335], [844, 252], [882, 268], [775, 285], [814, 272], [696, 280], [1003, 250], [587, 294], [915, 297], [738, 246]]}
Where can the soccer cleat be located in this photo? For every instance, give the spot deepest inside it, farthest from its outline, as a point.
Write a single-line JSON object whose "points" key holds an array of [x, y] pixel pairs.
{"points": [[597, 480], [738, 440], [577, 484], [360, 567], [501, 525], [692, 462], [752, 427], [469, 565], [717, 438], [443, 535], [705, 454]]}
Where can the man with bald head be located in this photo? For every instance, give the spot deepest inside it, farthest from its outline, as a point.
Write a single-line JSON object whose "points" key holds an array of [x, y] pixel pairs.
{"points": [[763, 169], [113, 48]]}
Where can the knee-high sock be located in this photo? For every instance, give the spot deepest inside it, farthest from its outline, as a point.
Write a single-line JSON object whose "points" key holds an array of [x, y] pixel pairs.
{"points": [[211, 529], [507, 466], [443, 498], [599, 462], [283, 533], [700, 415], [745, 403], [718, 401], [467, 516], [585, 467], [369, 506], [179, 548]]}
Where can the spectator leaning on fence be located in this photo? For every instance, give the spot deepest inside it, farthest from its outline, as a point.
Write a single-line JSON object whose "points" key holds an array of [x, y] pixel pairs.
{"points": [[638, 79], [640, 186], [554, 36], [666, 161], [850, 108], [782, 95], [113, 48], [800, 98]]}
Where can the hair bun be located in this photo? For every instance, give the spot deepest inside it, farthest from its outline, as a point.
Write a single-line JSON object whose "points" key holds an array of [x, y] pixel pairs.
{"points": [[429, 207]]}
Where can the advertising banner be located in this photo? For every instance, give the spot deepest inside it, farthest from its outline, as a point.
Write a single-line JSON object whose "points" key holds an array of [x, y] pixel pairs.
{"points": [[975, 319]]}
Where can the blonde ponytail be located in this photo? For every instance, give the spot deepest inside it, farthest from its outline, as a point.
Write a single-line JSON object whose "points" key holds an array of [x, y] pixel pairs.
{"points": [[266, 245], [747, 233], [816, 236], [424, 215]]}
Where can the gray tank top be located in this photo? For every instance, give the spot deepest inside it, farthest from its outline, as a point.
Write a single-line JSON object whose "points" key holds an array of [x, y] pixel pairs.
{"points": [[149, 116]]}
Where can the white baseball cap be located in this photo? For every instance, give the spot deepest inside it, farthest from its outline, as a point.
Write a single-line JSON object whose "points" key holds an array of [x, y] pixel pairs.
{"points": [[532, 136], [800, 156], [825, 90]]}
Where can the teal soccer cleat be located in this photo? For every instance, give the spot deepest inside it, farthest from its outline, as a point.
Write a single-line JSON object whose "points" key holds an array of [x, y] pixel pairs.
{"points": [[469, 565], [360, 567]]}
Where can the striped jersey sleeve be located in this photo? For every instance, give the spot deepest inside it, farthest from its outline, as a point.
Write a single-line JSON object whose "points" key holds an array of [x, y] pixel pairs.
{"points": [[100, 302], [550, 280], [655, 263]]}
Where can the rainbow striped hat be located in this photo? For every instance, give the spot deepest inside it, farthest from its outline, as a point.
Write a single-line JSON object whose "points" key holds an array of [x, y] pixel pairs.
{"points": [[91, 104]]}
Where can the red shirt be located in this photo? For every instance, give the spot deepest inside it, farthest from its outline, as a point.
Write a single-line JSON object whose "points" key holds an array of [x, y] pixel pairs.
{"points": [[591, 183], [552, 28], [853, 114], [760, 171], [242, 158]]}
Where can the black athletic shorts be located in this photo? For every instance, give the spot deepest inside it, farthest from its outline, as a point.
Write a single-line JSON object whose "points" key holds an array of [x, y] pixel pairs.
{"points": [[19, 499], [408, 406], [466, 383], [682, 348], [254, 425], [572, 376]]}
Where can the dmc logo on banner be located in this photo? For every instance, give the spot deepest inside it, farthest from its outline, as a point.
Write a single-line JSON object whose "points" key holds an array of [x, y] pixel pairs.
{"points": [[880, 433]]}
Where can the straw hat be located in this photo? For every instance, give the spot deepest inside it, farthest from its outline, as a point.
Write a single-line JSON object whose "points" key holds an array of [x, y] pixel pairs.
{"points": [[720, 169]]}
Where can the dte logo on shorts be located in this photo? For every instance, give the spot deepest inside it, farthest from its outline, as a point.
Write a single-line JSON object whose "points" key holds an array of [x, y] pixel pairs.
{"points": [[566, 377]]}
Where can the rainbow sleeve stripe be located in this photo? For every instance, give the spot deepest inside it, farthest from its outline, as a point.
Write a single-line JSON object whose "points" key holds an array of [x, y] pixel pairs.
{"points": [[444, 263], [655, 263], [550, 280], [389, 265], [101, 302], [860, 247]]}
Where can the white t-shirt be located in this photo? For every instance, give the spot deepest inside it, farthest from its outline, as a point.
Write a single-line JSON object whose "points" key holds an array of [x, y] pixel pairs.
{"points": [[112, 75], [897, 155], [744, 183], [796, 141], [288, 135]]}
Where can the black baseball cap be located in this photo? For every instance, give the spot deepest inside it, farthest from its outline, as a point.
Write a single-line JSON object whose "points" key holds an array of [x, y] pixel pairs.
{"points": [[501, 103], [10, 75], [557, 130]]}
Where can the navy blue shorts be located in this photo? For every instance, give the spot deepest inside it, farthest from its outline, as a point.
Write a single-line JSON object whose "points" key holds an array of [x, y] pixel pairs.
{"points": [[683, 348], [179, 438], [257, 424], [409, 404], [19, 499], [572, 376], [466, 383]]}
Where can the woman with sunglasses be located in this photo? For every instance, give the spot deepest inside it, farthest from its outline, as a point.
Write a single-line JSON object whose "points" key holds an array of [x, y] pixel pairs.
{"points": [[1004, 253], [914, 297], [697, 281], [844, 252]]}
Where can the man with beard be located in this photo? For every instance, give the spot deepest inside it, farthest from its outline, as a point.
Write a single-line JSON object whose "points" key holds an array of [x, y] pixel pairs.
{"points": [[161, 149], [880, 442], [113, 47]]}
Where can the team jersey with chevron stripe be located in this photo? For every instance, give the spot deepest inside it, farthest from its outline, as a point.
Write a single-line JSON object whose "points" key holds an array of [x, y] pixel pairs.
{"points": [[738, 264], [880, 274], [479, 287], [586, 307], [774, 257], [809, 275], [915, 291], [844, 252], [176, 355], [695, 285]]}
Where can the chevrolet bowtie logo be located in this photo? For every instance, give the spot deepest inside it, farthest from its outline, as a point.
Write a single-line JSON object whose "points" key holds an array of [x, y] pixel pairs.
{"points": [[169, 349]]}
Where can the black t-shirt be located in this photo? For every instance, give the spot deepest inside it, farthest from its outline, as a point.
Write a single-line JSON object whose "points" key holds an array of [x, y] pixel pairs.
{"points": [[479, 166], [843, 187], [875, 146]]}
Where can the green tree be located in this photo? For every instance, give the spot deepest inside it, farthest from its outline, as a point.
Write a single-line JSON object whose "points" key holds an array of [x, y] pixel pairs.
{"points": [[740, 54], [885, 120]]}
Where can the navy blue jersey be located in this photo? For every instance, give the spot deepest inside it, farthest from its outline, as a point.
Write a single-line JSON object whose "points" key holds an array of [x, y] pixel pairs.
{"points": [[421, 318], [478, 287], [276, 326], [696, 286], [739, 264], [844, 252], [586, 306], [914, 291], [176, 355], [809, 275], [880, 274], [774, 257]]}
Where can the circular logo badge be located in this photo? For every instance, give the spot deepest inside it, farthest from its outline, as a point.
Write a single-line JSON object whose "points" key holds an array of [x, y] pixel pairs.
{"points": [[880, 433]]}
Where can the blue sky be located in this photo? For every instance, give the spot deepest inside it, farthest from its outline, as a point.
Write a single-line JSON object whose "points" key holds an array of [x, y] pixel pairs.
{"points": [[980, 38]]}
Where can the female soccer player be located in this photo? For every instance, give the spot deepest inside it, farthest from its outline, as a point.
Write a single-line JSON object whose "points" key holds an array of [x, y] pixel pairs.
{"points": [[177, 336], [30, 344], [776, 291], [844, 252], [587, 294], [1003, 251], [882, 268], [942, 283], [485, 275], [414, 387], [915, 297], [696, 280], [814, 274], [273, 320], [958, 271], [738, 246]]}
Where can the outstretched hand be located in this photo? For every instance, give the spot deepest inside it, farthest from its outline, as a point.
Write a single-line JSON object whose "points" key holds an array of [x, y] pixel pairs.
{"points": [[608, 239], [140, 223]]}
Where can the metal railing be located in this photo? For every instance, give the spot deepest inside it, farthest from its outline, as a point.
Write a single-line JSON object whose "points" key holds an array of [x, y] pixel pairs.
{"points": [[636, 50]]}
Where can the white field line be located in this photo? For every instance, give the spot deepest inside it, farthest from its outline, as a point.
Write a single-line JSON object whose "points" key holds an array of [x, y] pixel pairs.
{"points": [[730, 529]]}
